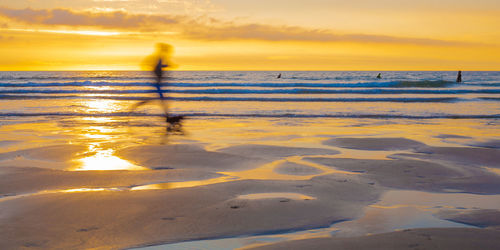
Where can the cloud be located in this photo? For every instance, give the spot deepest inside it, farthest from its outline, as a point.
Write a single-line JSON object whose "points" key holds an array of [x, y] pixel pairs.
{"points": [[203, 28], [116, 19], [230, 31]]}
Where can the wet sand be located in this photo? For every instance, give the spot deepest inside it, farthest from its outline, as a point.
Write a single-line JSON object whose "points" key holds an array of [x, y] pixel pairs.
{"points": [[407, 239], [373, 185]]}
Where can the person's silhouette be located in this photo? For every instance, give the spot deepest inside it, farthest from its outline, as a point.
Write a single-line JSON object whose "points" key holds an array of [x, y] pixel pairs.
{"points": [[459, 76], [157, 63], [379, 76], [163, 51]]}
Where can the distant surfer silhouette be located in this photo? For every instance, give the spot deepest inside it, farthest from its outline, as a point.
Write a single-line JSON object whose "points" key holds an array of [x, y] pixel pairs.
{"points": [[279, 76], [379, 76], [459, 76]]}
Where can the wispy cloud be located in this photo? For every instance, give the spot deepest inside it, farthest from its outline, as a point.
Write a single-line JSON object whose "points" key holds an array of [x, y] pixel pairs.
{"points": [[226, 31], [201, 28], [77, 32], [116, 19]]}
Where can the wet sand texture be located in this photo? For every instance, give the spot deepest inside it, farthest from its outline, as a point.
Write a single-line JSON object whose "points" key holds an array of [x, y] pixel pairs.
{"points": [[21, 180], [374, 143], [267, 151], [187, 156], [129, 218], [435, 238], [418, 175], [479, 218], [291, 168]]}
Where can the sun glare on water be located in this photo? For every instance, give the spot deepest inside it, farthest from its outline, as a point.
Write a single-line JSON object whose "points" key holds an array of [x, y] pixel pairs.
{"points": [[105, 160], [101, 105]]}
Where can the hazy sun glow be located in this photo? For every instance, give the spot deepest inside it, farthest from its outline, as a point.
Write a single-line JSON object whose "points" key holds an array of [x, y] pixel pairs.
{"points": [[78, 32], [252, 35]]}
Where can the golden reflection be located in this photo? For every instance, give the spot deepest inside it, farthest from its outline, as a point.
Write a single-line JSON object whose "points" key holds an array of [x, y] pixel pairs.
{"points": [[267, 171], [185, 184], [365, 154], [405, 206], [102, 105], [493, 170], [293, 196], [97, 119], [99, 87], [96, 132], [105, 160], [77, 190]]}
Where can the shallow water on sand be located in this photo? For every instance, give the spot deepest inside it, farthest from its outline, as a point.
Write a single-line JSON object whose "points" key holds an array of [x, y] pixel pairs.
{"points": [[81, 145], [396, 210]]}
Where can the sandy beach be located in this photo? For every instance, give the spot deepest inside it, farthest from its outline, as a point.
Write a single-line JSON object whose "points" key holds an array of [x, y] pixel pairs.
{"points": [[243, 183]]}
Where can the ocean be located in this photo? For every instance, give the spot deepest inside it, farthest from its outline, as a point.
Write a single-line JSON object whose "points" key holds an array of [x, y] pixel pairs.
{"points": [[350, 94]]}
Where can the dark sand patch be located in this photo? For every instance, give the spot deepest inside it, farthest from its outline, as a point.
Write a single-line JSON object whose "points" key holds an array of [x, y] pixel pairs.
{"points": [[487, 144], [477, 217], [374, 143], [19, 180], [112, 219], [267, 151], [433, 238], [450, 136], [6, 143], [57, 153], [187, 156], [459, 155], [291, 168], [416, 175]]}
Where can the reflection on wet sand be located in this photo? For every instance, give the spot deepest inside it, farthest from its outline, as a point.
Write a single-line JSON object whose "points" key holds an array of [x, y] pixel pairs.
{"points": [[401, 209], [76, 190], [293, 196], [387, 215], [102, 138], [105, 160], [268, 171], [493, 170], [184, 184], [100, 158]]}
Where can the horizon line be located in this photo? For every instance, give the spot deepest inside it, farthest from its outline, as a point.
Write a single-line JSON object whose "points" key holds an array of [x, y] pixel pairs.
{"points": [[118, 70]]}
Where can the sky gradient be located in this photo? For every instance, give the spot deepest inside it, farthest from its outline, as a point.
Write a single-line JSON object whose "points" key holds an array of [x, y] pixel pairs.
{"points": [[251, 35]]}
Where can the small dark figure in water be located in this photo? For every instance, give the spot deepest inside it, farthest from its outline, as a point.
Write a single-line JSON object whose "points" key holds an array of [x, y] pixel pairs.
{"points": [[459, 76], [379, 76], [279, 76]]}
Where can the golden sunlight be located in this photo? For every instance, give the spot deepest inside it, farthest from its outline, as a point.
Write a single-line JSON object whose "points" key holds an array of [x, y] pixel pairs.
{"points": [[101, 105], [393, 36], [105, 160], [77, 32]]}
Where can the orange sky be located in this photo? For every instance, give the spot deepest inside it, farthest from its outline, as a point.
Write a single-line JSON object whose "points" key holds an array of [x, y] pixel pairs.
{"points": [[251, 35]]}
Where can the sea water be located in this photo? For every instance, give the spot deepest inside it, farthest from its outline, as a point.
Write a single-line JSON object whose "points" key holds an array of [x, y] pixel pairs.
{"points": [[353, 94]]}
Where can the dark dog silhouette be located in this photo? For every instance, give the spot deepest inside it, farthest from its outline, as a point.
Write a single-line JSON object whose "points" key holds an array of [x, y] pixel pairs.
{"points": [[174, 123]]}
